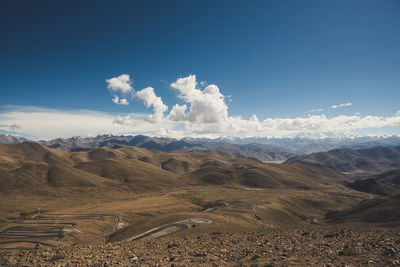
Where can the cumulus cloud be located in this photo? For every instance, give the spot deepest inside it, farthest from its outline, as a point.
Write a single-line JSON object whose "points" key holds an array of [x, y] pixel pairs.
{"points": [[178, 113], [124, 101], [121, 84], [47, 123], [123, 120], [115, 100], [205, 106], [322, 123], [203, 113], [120, 101], [236, 126], [342, 105], [150, 99]]}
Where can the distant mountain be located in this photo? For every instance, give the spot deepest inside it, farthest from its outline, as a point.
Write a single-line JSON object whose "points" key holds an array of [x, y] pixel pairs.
{"points": [[259, 151], [360, 162], [373, 170], [10, 139], [307, 145], [264, 149]]}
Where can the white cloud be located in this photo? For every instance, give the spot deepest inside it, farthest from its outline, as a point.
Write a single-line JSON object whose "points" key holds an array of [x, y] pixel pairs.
{"points": [[10, 127], [123, 120], [115, 100], [121, 83], [315, 110], [151, 99], [122, 101], [205, 106], [177, 113], [47, 123], [236, 126], [342, 105], [204, 113]]}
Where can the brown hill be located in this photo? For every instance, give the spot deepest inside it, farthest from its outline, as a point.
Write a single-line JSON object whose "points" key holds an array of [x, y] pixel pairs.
{"points": [[373, 186], [390, 177], [386, 183], [323, 171], [360, 162], [378, 210], [31, 164], [28, 165], [148, 188]]}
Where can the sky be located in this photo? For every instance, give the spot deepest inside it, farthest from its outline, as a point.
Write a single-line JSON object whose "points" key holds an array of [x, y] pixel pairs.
{"points": [[200, 68]]}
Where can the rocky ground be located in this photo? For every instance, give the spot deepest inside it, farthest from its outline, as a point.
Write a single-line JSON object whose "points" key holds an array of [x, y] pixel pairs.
{"points": [[355, 245]]}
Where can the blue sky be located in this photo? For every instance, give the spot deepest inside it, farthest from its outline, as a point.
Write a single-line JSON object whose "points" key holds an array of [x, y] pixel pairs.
{"points": [[276, 59]]}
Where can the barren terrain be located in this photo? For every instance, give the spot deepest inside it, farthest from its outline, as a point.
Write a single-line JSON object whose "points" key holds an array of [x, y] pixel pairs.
{"points": [[132, 206], [344, 245]]}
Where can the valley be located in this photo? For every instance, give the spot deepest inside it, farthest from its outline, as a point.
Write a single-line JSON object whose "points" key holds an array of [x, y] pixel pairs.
{"points": [[52, 199], [200, 133]]}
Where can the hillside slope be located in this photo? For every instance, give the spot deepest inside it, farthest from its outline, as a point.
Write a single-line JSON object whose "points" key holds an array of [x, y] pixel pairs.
{"points": [[30, 164], [378, 210], [362, 161]]}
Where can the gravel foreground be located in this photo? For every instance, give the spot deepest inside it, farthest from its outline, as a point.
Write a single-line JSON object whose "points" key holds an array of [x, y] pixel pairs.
{"points": [[313, 246]]}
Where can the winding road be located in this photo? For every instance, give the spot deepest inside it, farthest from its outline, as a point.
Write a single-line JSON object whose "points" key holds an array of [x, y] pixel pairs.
{"points": [[179, 226], [44, 228]]}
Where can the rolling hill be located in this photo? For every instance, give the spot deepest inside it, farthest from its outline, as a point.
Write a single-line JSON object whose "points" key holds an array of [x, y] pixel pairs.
{"points": [[360, 162], [386, 183], [378, 210], [148, 188], [31, 164]]}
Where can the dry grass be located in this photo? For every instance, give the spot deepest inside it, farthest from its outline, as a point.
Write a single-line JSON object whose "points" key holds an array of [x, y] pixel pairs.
{"points": [[149, 188]]}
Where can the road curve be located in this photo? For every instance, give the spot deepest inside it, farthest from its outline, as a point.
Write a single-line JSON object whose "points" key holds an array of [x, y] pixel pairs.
{"points": [[31, 230], [181, 225], [84, 216]]}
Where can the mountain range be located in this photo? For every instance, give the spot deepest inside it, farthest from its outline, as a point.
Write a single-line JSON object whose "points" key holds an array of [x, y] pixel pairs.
{"points": [[149, 188], [373, 170], [311, 144], [74, 144], [264, 149], [360, 162], [31, 165]]}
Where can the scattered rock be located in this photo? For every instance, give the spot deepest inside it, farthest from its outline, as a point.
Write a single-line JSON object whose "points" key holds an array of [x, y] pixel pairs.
{"points": [[317, 245]]}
